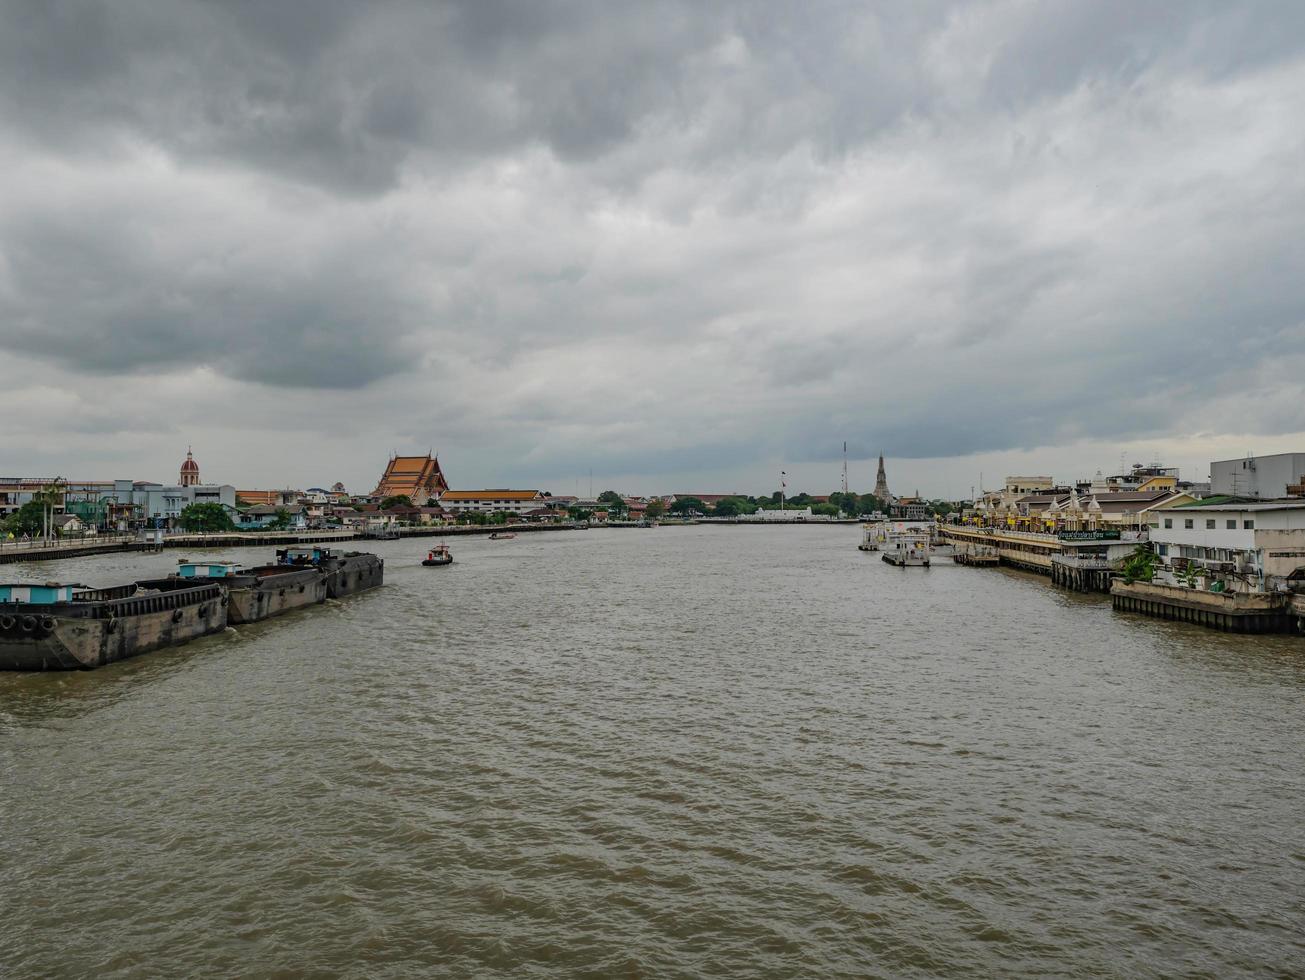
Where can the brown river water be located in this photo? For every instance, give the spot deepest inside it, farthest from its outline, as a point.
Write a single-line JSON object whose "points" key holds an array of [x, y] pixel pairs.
{"points": [[701, 751]]}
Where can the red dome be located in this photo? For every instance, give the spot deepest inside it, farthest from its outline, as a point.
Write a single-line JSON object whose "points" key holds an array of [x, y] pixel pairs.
{"points": [[189, 470]]}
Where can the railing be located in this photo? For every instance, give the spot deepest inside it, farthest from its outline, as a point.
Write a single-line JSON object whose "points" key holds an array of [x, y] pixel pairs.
{"points": [[67, 543]]}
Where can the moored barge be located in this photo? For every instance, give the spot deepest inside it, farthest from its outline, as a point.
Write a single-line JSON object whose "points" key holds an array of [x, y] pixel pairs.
{"points": [[70, 627]]}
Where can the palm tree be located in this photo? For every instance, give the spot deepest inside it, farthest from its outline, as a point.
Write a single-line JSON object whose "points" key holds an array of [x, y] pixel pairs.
{"points": [[50, 497]]}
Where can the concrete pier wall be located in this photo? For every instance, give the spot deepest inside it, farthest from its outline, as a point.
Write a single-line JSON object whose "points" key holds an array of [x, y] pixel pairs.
{"points": [[1235, 612]]}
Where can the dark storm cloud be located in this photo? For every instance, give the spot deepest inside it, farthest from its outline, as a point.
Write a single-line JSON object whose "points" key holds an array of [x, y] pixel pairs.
{"points": [[936, 227]]}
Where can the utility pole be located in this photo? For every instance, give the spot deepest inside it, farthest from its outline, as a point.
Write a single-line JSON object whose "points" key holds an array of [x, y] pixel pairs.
{"points": [[782, 487], [844, 467]]}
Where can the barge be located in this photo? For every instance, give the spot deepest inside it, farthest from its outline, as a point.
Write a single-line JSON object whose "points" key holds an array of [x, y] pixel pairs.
{"points": [[56, 626], [70, 627]]}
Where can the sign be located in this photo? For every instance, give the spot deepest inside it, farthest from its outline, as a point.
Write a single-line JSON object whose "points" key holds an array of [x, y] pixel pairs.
{"points": [[1089, 535]]}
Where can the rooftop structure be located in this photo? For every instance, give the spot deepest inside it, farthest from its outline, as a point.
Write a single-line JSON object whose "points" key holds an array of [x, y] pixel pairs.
{"points": [[417, 477]]}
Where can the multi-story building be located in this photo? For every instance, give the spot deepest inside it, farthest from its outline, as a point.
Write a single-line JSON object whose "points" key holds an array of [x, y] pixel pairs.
{"points": [[1019, 485], [1253, 545], [490, 501], [1264, 477]]}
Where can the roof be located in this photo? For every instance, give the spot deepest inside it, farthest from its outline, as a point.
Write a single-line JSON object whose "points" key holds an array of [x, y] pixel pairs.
{"points": [[266, 510], [411, 475], [1242, 503], [456, 495], [259, 496]]}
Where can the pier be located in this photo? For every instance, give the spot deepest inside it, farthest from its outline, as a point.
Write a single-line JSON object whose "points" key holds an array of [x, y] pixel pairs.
{"points": [[1232, 612]]}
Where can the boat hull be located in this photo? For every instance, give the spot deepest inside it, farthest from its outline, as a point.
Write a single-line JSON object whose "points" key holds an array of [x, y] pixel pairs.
{"points": [[353, 572], [275, 594], [63, 637], [436, 564]]}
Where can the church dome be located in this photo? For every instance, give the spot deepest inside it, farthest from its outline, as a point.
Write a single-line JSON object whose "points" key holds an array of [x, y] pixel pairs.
{"points": [[189, 470]]}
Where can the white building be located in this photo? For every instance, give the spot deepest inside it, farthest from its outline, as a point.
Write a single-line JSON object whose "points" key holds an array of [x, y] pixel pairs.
{"points": [[1266, 477], [1253, 545], [491, 501]]}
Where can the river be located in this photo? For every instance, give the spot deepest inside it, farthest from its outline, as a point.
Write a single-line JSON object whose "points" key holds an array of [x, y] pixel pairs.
{"points": [[697, 751]]}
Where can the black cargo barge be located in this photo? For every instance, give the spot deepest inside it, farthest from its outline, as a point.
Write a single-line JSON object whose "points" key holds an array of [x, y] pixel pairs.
{"points": [[66, 627], [69, 627]]}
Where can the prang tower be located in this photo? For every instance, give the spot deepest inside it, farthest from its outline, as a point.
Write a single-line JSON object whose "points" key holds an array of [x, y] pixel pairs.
{"points": [[881, 482]]}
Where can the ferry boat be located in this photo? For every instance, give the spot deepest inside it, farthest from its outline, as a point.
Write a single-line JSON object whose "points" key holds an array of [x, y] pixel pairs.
{"points": [[439, 555], [70, 627], [907, 548]]}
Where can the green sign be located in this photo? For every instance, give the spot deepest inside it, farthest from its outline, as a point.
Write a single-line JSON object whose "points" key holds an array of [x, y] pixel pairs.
{"points": [[1089, 535]]}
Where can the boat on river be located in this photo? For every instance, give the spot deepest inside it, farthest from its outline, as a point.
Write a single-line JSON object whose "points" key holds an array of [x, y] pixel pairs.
{"points": [[252, 594], [70, 627], [57, 626], [907, 548], [502, 535], [439, 555], [346, 572]]}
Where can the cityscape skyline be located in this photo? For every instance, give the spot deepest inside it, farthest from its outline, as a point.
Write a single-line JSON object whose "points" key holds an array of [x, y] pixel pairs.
{"points": [[971, 236]]}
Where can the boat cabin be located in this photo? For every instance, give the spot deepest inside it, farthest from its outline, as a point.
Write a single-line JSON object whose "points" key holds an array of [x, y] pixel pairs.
{"points": [[207, 569]]}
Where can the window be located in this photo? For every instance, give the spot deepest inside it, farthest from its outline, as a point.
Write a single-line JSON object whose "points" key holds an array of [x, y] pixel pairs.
{"points": [[1188, 523], [1232, 525], [1209, 523], [1162, 550], [1169, 522], [1248, 525]]}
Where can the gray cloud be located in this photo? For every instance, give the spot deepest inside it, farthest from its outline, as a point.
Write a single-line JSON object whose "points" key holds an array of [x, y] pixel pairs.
{"points": [[932, 229]]}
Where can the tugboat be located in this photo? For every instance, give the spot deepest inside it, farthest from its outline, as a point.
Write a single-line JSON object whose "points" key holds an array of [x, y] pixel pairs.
{"points": [[439, 555], [70, 627]]}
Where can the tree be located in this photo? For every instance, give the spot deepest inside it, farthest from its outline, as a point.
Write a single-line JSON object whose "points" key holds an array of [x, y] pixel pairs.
{"points": [[398, 500], [1140, 565], [206, 517], [579, 513], [655, 509], [688, 505], [281, 521], [730, 507], [825, 510], [27, 519]]}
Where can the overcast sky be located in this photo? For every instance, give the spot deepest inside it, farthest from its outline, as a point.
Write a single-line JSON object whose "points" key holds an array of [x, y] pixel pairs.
{"points": [[682, 245]]}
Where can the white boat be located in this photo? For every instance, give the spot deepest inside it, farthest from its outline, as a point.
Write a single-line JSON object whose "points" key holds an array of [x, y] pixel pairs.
{"points": [[906, 548]]}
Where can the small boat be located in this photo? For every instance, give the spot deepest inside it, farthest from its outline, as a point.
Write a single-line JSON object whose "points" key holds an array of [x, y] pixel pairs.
{"points": [[439, 555], [501, 535]]}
